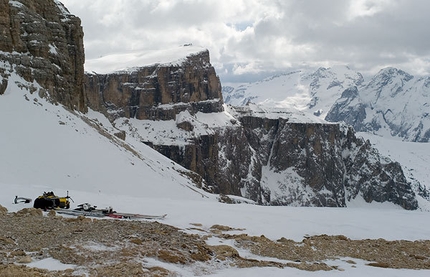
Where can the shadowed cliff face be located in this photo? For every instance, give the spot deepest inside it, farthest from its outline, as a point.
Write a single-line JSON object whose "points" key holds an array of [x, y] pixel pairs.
{"points": [[324, 165], [157, 92], [42, 42], [277, 162]]}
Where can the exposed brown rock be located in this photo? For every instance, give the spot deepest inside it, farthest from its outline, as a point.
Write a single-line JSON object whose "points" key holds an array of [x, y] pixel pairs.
{"points": [[192, 85], [44, 43], [311, 251], [3, 86], [5, 32], [29, 212], [3, 210], [120, 135], [224, 252], [120, 247]]}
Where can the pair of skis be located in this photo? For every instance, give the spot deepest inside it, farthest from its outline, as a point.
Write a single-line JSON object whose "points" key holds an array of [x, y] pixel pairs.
{"points": [[92, 211]]}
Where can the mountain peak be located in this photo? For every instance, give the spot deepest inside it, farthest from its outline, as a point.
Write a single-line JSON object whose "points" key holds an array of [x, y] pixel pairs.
{"points": [[392, 72]]}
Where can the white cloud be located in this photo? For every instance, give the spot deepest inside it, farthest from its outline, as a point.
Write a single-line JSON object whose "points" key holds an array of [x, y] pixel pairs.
{"points": [[363, 8]]}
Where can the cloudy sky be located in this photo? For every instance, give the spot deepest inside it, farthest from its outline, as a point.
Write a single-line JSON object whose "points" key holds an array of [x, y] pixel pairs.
{"points": [[248, 39]]}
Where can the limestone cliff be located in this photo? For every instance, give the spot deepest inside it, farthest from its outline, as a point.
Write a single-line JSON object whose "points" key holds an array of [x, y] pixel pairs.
{"points": [[41, 41], [277, 161], [316, 164], [157, 92]]}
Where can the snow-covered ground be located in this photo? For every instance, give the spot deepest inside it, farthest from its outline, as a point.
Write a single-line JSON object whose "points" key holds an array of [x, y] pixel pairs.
{"points": [[44, 147], [129, 61]]}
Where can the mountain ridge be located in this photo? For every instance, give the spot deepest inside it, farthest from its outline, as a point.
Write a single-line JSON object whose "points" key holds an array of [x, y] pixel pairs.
{"points": [[396, 101]]}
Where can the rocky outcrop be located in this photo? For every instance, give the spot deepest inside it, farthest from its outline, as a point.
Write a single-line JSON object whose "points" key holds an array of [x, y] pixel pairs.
{"points": [[223, 159], [41, 41], [6, 43], [3, 210], [157, 92], [322, 165], [277, 162]]}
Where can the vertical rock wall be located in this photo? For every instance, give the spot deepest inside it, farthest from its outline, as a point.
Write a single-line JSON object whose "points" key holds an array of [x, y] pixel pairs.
{"points": [[157, 92], [277, 162], [43, 42], [333, 165]]}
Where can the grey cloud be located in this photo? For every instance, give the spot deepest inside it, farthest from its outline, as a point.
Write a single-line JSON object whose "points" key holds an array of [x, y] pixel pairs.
{"points": [[263, 35]]}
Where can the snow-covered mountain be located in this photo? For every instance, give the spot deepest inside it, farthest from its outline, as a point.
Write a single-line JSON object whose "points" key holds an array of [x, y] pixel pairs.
{"points": [[47, 147], [176, 108], [307, 90], [393, 103]]}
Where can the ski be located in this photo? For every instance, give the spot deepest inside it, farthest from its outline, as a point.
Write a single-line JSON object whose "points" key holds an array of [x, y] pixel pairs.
{"points": [[93, 213], [136, 216]]}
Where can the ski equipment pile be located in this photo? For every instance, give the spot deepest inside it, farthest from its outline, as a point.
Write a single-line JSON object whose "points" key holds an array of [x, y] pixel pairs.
{"points": [[48, 200]]}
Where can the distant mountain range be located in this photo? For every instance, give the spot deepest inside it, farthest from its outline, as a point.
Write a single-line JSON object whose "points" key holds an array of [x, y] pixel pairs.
{"points": [[392, 103]]}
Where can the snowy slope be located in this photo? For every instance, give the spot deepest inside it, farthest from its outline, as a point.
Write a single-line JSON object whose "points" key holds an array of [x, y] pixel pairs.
{"points": [[167, 132], [46, 146]]}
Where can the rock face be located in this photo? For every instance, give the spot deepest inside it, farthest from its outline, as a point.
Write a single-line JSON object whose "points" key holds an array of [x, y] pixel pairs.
{"points": [[157, 92], [43, 42], [277, 162], [312, 164], [348, 109]]}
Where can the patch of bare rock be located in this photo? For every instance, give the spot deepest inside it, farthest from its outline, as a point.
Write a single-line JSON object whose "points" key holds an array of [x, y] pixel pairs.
{"points": [[99, 247]]}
